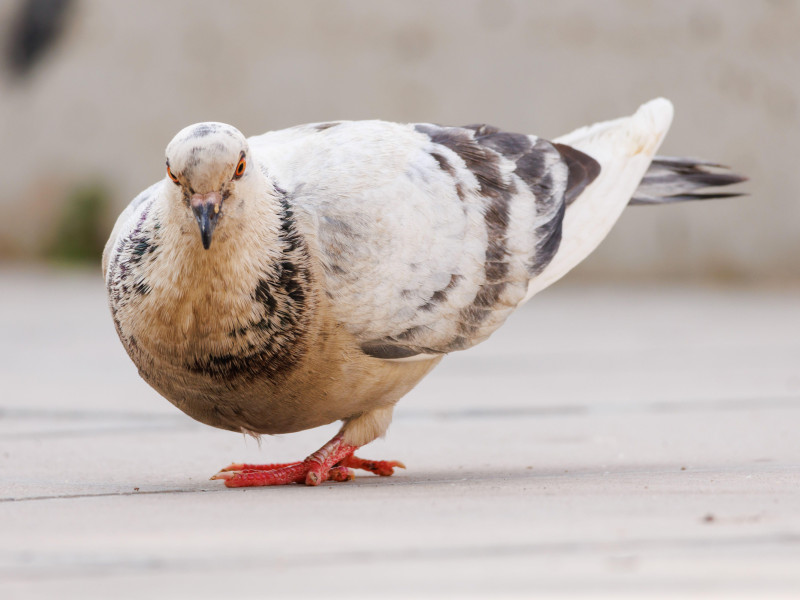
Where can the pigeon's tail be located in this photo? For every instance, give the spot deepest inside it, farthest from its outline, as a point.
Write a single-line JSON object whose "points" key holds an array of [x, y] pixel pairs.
{"points": [[670, 179]]}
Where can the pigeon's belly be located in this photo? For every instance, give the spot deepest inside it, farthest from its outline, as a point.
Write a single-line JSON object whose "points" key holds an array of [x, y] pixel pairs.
{"points": [[320, 378], [261, 406]]}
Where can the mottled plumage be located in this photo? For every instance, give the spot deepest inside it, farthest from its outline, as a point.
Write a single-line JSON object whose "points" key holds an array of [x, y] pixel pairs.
{"points": [[340, 261]]}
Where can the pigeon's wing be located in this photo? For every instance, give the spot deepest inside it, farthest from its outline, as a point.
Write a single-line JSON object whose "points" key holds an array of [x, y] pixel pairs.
{"points": [[428, 235], [624, 148]]}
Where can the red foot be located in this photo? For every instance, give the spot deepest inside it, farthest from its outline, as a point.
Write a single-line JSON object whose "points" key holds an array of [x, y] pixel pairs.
{"points": [[333, 461]]}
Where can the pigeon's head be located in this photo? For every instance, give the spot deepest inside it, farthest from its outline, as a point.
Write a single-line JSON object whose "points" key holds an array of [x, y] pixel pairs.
{"points": [[205, 163]]}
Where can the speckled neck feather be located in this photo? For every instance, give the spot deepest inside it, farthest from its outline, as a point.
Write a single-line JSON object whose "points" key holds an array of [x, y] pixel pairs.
{"points": [[239, 315]]}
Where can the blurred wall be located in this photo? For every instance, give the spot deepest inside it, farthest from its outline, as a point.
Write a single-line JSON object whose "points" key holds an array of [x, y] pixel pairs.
{"points": [[101, 102]]}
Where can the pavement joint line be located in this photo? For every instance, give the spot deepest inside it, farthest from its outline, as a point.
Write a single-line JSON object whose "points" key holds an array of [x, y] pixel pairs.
{"points": [[160, 422], [107, 567], [12, 412], [656, 407], [105, 495], [79, 432], [521, 474]]}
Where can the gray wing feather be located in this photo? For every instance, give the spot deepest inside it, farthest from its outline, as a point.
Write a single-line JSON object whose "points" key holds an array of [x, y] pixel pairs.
{"points": [[509, 169]]}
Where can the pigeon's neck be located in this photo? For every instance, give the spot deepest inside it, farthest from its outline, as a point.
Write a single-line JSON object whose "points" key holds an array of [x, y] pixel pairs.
{"points": [[274, 335], [246, 302]]}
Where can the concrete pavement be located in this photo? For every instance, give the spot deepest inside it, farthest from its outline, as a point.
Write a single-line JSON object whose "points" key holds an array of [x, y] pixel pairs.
{"points": [[619, 440]]}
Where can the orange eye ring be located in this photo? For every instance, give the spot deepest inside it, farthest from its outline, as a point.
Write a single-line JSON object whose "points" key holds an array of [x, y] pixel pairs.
{"points": [[240, 168], [171, 176]]}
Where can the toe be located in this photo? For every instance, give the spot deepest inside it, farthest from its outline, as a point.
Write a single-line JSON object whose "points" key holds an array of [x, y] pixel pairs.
{"points": [[383, 468], [233, 467]]}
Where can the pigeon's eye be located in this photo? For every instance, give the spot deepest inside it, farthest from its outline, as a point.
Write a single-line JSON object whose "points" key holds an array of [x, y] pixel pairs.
{"points": [[171, 176], [240, 168]]}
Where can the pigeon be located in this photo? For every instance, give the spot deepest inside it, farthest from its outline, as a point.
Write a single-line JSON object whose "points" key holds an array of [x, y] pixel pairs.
{"points": [[277, 283]]}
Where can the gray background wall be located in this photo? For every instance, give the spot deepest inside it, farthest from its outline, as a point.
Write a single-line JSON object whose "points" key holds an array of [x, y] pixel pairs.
{"points": [[102, 103]]}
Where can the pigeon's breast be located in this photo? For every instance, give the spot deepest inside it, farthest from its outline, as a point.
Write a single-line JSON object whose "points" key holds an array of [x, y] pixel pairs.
{"points": [[179, 313]]}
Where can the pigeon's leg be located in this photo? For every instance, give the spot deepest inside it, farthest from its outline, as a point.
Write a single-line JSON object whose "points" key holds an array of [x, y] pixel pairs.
{"points": [[333, 461]]}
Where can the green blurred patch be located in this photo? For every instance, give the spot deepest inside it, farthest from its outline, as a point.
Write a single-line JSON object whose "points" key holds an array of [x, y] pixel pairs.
{"points": [[80, 232]]}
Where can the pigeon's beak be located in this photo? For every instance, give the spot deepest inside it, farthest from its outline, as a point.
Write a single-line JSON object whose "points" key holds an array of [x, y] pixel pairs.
{"points": [[206, 209]]}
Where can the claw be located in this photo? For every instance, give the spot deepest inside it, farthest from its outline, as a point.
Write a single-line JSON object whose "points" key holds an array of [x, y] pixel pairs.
{"points": [[233, 467]]}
